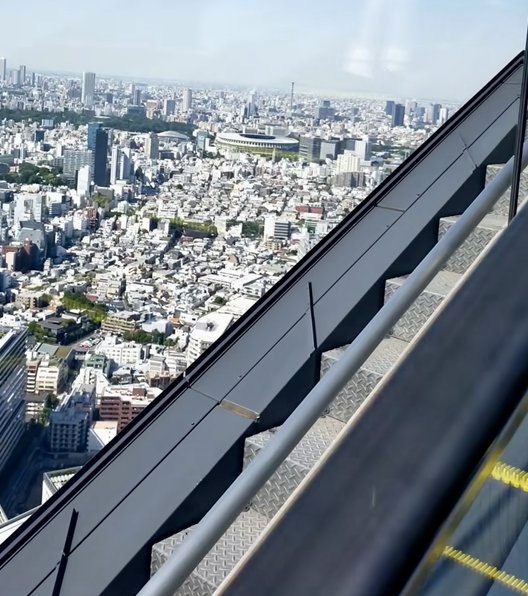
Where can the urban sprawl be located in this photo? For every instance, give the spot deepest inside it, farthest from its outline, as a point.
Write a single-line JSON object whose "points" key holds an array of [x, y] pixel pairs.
{"points": [[138, 221]]}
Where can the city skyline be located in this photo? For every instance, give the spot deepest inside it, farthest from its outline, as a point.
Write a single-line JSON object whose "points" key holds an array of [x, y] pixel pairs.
{"points": [[380, 47]]}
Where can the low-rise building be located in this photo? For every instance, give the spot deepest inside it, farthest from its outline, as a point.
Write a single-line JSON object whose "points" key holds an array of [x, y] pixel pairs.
{"points": [[205, 332], [123, 403], [68, 430], [121, 323]]}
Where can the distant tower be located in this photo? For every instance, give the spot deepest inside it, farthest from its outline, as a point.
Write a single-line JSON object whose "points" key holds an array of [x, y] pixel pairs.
{"points": [[3, 70], [152, 146], [251, 107], [22, 71], [291, 96], [88, 88], [98, 144], [186, 100], [398, 115]]}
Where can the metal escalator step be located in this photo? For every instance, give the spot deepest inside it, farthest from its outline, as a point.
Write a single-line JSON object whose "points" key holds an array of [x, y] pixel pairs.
{"points": [[289, 475], [424, 306], [219, 561], [502, 206], [475, 243], [365, 380]]}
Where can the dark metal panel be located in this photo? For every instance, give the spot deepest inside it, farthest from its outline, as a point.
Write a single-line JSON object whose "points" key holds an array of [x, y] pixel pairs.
{"points": [[146, 507], [482, 149], [366, 518], [291, 352], [273, 327], [419, 180]]}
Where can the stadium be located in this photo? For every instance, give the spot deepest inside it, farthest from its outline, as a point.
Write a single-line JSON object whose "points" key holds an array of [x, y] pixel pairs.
{"points": [[256, 143]]}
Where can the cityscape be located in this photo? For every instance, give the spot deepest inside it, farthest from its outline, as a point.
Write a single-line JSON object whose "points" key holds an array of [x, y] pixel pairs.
{"points": [[138, 222]]}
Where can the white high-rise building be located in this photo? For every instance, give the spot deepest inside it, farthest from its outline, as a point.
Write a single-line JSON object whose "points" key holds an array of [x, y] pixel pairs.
{"points": [[252, 104], [186, 100], [114, 164], [120, 165], [444, 115], [3, 70], [84, 177], [88, 88], [348, 162]]}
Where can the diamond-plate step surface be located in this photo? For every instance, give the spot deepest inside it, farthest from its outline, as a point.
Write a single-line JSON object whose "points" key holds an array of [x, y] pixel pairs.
{"points": [[365, 380], [475, 243], [219, 561], [289, 474], [502, 206], [424, 306]]}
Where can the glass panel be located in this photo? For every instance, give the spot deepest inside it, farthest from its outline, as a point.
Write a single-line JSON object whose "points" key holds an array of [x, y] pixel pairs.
{"points": [[486, 551]]}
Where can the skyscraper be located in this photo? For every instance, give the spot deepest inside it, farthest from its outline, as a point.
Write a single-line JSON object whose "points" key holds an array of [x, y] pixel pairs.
{"points": [[12, 389], [398, 115], [84, 178], [137, 97], [3, 70], [389, 107], [22, 70], [152, 146], [88, 88], [186, 99], [436, 112], [169, 107], [74, 161], [251, 107], [98, 144]]}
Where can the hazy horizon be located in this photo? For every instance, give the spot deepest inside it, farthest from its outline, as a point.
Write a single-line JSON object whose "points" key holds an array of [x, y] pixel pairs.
{"points": [[404, 48]]}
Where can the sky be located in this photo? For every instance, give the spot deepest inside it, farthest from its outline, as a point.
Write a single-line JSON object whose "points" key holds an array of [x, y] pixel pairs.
{"points": [[434, 49]]}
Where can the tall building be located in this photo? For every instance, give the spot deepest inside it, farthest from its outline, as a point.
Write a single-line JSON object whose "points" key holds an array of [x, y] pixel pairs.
{"points": [[88, 88], [3, 70], [74, 160], [362, 148], [22, 71], [12, 390], [348, 162], [251, 107], [310, 148], [444, 115], [398, 115], [186, 100], [436, 112], [119, 165], [325, 111], [136, 97], [169, 107], [37, 207], [152, 146], [389, 107], [84, 178], [114, 164], [98, 144]]}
